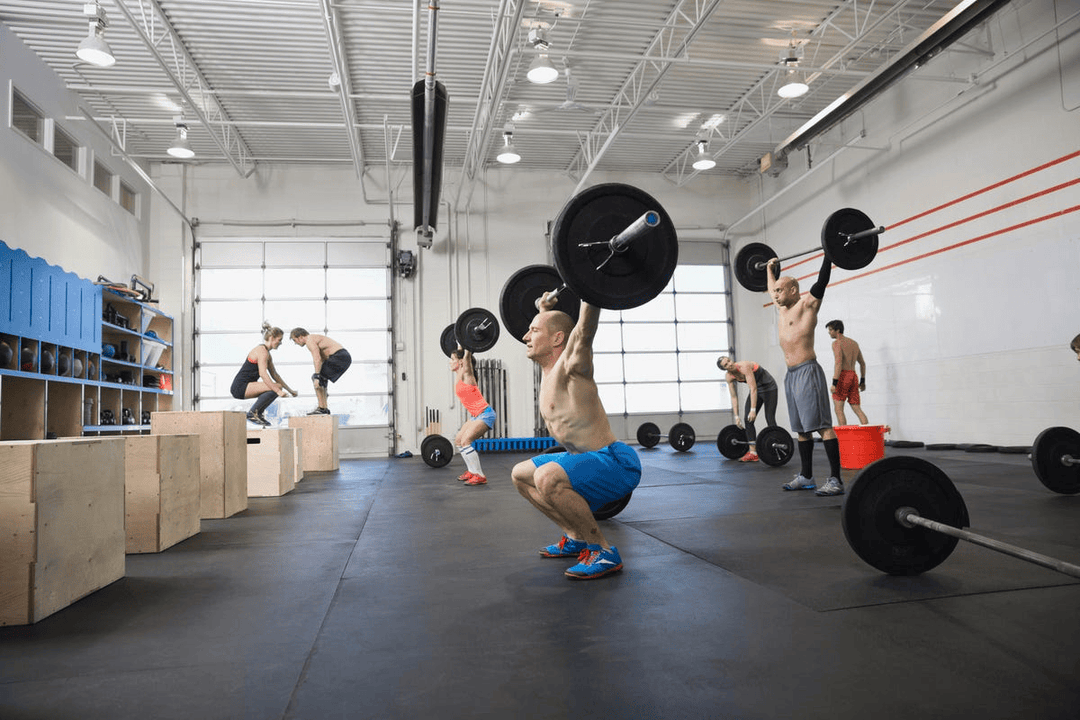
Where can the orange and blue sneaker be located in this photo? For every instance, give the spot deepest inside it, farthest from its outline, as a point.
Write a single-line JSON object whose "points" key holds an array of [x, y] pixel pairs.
{"points": [[475, 479], [567, 547], [595, 562]]}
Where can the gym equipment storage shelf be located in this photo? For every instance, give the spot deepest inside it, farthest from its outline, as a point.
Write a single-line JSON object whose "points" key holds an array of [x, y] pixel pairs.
{"points": [[54, 377]]}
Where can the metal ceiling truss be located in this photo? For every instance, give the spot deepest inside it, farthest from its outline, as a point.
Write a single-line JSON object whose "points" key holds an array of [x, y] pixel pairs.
{"points": [[492, 88], [336, 42], [156, 32], [674, 38], [850, 20]]}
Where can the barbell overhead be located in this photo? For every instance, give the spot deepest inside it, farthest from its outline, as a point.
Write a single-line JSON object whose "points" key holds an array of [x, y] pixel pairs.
{"points": [[903, 515], [476, 330], [1055, 458], [848, 238], [614, 246], [517, 302]]}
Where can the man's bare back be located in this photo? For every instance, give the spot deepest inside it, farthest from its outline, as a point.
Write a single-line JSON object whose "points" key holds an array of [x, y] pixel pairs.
{"points": [[323, 345], [846, 352]]}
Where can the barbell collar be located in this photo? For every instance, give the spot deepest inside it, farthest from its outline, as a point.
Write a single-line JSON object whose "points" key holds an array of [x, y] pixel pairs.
{"points": [[1069, 460], [909, 517], [870, 232]]}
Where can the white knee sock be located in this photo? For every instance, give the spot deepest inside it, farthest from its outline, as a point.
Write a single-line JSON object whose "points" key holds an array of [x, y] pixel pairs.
{"points": [[472, 460]]}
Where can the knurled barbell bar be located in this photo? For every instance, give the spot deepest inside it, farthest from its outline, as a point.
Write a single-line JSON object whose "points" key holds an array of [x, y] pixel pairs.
{"points": [[774, 444], [1055, 458], [904, 516], [600, 257], [681, 436], [848, 238]]}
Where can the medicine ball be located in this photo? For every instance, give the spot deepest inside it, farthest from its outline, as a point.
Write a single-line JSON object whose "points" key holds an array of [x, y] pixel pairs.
{"points": [[77, 367], [46, 361], [108, 350], [27, 356], [6, 354], [63, 365]]}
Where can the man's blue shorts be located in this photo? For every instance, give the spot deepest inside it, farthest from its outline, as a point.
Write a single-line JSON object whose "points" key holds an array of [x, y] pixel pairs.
{"points": [[488, 416], [600, 476]]}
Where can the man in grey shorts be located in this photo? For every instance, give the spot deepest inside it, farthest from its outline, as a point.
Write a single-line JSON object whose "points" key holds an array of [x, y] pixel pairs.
{"points": [[807, 390]]}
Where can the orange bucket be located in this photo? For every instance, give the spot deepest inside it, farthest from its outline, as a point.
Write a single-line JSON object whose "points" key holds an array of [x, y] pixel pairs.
{"points": [[860, 445]]}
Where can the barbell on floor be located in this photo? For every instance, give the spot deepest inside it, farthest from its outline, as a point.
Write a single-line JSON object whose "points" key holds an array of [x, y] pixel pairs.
{"points": [[904, 516], [437, 451], [1055, 458], [681, 436], [774, 444], [848, 238]]}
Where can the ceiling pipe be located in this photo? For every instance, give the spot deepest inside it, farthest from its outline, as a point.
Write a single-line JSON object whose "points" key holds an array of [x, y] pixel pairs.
{"points": [[954, 25]]}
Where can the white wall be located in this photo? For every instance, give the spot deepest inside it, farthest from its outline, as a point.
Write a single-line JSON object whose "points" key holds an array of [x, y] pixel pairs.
{"points": [[46, 208], [966, 314]]}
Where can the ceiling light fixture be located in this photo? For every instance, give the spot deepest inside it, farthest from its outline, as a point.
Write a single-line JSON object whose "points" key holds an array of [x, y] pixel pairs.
{"points": [[93, 49], [180, 147], [794, 87], [703, 161], [509, 154], [541, 71]]}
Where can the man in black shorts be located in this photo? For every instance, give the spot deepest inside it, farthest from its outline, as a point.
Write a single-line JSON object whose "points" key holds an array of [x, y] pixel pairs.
{"points": [[331, 361]]}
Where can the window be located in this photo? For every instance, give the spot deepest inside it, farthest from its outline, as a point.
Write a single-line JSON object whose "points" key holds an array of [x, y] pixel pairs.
{"points": [[128, 197], [65, 148], [661, 357], [102, 178], [339, 288], [26, 118]]}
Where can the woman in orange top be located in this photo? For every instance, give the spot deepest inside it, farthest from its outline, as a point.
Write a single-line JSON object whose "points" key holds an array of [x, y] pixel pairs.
{"points": [[481, 416]]}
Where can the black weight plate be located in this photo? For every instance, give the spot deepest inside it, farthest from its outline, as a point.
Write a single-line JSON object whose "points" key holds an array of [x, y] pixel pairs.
{"points": [[613, 508], [731, 442], [477, 330], [981, 448], [437, 451], [1014, 449], [904, 443], [448, 340], [746, 273], [648, 434], [1047, 452], [623, 280], [517, 302], [775, 446], [858, 254], [681, 437], [869, 515], [941, 446]]}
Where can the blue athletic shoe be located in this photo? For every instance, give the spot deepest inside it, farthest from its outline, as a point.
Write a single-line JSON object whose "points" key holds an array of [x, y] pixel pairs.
{"points": [[800, 483], [565, 548], [596, 562]]}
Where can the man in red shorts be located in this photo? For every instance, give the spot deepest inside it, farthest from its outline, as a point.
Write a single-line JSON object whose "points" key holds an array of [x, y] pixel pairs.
{"points": [[845, 383]]}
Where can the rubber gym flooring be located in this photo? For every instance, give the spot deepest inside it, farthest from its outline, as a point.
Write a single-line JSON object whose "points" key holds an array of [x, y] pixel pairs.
{"points": [[388, 589]]}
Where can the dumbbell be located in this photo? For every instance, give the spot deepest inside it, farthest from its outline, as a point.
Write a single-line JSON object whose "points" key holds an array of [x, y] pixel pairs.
{"points": [[774, 444], [681, 436]]}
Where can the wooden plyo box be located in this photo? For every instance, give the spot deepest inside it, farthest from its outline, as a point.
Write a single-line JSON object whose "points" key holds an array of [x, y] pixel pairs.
{"points": [[62, 514], [222, 456], [320, 441], [271, 462], [298, 452], [162, 481]]}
